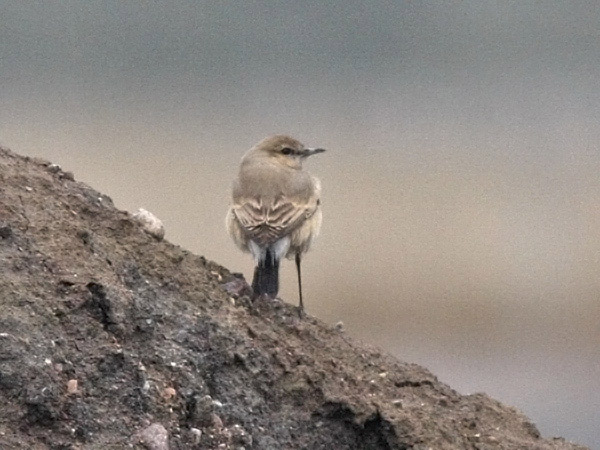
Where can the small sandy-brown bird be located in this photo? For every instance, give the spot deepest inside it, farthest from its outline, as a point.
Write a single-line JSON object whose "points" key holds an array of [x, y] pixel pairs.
{"points": [[276, 209]]}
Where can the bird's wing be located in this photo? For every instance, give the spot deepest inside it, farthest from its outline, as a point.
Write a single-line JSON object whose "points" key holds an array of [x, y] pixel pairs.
{"points": [[267, 223]]}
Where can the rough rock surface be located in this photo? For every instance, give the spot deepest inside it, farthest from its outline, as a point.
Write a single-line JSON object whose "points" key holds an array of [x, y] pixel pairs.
{"points": [[110, 339]]}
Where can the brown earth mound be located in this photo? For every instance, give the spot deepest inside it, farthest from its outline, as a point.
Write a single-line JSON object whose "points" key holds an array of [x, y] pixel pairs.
{"points": [[112, 339]]}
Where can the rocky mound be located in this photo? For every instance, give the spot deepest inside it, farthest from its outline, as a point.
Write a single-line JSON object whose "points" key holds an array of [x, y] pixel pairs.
{"points": [[110, 338]]}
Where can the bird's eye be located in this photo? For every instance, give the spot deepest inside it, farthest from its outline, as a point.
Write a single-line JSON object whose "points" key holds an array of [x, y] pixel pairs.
{"points": [[286, 151]]}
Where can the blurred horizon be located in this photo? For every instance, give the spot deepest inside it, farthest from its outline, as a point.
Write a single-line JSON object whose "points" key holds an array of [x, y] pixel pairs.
{"points": [[461, 193]]}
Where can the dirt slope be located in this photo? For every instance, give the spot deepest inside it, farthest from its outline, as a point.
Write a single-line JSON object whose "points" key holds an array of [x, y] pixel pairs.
{"points": [[112, 339]]}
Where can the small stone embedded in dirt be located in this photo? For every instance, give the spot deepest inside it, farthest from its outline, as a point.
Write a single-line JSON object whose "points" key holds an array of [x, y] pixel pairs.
{"points": [[397, 403], [67, 176], [54, 168], [240, 436], [72, 386], [196, 435], [200, 411], [168, 393], [5, 231], [216, 421], [85, 236], [217, 274], [237, 287], [150, 223], [155, 437]]}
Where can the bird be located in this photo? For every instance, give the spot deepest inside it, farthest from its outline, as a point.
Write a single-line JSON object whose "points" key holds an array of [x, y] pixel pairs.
{"points": [[275, 210]]}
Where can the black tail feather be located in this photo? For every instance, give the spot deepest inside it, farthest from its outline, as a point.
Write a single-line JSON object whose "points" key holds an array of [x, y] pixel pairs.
{"points": [[266, 276]]}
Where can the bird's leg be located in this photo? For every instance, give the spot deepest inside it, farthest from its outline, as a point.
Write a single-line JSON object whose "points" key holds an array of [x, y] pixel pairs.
{"points": [[301, 307]]}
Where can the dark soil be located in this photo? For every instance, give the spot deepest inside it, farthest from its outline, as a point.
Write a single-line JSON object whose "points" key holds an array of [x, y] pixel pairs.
{"points": [[110, 339]]}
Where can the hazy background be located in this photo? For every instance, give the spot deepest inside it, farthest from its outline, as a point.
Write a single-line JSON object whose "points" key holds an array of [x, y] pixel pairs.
{"points": [[461, 186]]}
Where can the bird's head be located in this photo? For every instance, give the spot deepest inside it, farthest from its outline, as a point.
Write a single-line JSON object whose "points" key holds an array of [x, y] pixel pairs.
{"points": [[284, 150]]}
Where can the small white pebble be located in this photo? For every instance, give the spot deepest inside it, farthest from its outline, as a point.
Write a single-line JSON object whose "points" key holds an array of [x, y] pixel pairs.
{"points": [[197, 434], [155, 437], [28, 188], [217, 274], [48, 361], [150, 223]]}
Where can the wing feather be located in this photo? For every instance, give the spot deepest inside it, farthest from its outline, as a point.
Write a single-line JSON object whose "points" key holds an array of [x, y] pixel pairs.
{"points": [[267, 223]]}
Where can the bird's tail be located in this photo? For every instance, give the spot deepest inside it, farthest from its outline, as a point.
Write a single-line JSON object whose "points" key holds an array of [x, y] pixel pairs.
{"points": [[266, 276]]}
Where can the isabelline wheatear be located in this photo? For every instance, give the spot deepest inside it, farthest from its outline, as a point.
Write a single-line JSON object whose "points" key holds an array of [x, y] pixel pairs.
{"points": [[276, 209]]}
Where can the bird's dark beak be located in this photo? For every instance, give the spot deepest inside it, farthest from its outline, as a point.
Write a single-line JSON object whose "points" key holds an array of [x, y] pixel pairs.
{"points": [[311, 151]]}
